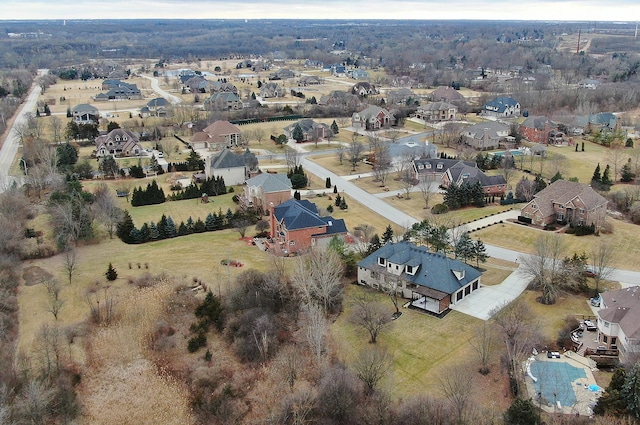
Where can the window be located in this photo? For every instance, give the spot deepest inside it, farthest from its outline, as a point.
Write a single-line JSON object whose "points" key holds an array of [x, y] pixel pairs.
{"points": [[614, 340], [428, 166], [409, 269], [606, 324], [605, 339], [292, 243], [420, 166], [439, 166], [381, 261], [581, 210], [560, 207]]}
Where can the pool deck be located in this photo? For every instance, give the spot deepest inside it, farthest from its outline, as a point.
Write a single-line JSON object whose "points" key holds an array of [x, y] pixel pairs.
{"points": [[585, 398]]}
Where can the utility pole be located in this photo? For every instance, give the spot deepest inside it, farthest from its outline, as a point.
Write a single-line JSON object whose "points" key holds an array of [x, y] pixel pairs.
{"points": [[578, 47]]}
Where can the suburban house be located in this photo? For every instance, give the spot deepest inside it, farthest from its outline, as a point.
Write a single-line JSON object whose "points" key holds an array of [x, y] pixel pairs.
{"points": [[540, 130], [502, 107], [432, 281], [221, 86], [296, 226], [234, 168], [463, 173], [413, 146], [372, 118], [309, 80], [358, 74], [433, 169], [118, 142], [266, 189], [118, 90], [603, 121], [223, 101], [197, 84], [364, 88], [486, 135], [282, 74], [436, 112], [218, 135], [155, 107], [271, 90], [445, 94], [566, 202], [339, 98], [85, 114], [619, 321], [311, 130], [400, 96]]}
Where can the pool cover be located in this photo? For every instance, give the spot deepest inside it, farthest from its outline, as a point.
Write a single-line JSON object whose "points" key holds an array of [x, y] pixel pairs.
{"points": [[554, 381]]}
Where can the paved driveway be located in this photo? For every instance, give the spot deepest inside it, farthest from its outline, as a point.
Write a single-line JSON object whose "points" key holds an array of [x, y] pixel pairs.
{"points": [[488, 299]]}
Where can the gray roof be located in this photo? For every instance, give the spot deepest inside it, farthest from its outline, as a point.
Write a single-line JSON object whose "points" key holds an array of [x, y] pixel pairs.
{"points": [[303, 214], [435, 271], [495, 130], [227, 159], [271, 182], [500, 104], [539, 123], [415, 145], [84, 107], [623, 307], [157, 102]]}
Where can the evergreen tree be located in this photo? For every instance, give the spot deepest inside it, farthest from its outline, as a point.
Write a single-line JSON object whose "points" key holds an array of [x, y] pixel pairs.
{"points": [[631, 391], [343, 204], [162, 227], [522, 412], [612, 402], [606, 176], [330, 208], [47, 111], [182, 229], [556, 177], [540, 183], [298, 134], [327, 183], [296, 195], [387, 236], [596, 174], [199, 226], [228, 217], [153, 232], [144, 234], [111, 273], [338, 200], [190, 225], [464, 248], [210, 222], [374, 244], [67, 155], [626, 175], [125, 227], [170, 229], [38, 112], [480, 252], [335, 188], [334, 127]]}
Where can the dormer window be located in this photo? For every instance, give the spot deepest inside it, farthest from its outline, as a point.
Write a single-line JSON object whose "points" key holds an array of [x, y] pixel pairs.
{"points": [[381, 261], [428, 166], [439, 166]]}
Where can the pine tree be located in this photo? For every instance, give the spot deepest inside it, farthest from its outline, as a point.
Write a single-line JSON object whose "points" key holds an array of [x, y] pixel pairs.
{"points": [[522, 412], [335, 188], [631, 391], [338, 200], [298, 134], [153, 231], [327, 183], [47, 111], [606, 176], [125, 227], [374, 244], [626, 175], [556, 177], [343, 204], [111, 273], [144, 234], [596, 174], [170, 229], [387, 236], [296, 195], [480, 252], [162, 227], [210, 222], [464, 248], [540, 183], [334, 127], [199, 226]]}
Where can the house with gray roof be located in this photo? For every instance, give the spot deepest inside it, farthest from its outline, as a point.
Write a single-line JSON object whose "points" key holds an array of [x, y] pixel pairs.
{"points": [[433, 169], [218, 135], [221, 86], [311, 130], [461, 173], [540, 129], [309, 80], [234, 168], [271, 90], [436, 112], [414, 146], [265, 190], [619, 322], [432, 281], [155, 107], [445, 94], [118, 142], [296, 226], [85, 114], [364, 88], [372, 118], [118, 90], [564, 201], [486, 135], [223, 101], [503, 107]]}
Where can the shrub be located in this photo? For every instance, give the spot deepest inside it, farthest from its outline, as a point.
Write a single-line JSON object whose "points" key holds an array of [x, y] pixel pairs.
{"points": [[197, 342], [439, 209], [235, 199], [231, 189], [111, 273]]}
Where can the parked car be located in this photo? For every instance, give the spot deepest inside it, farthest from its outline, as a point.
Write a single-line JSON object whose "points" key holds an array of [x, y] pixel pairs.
{"points": [[553, 354], [590, 325], [160, 155], [595, 301]]}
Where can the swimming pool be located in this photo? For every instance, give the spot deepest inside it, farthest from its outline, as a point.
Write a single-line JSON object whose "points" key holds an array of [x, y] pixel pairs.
{"points": [[555, 381], [513, 152]]}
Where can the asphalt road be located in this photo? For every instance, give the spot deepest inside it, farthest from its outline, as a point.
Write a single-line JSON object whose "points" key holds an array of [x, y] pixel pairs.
{"points": [[174, 100], [10, 146]]}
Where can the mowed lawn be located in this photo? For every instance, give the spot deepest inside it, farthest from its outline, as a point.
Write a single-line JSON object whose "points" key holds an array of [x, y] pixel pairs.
{"points": [[420, 344], [521, 238]]}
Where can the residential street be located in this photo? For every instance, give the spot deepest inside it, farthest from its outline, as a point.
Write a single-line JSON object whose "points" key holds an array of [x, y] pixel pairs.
{"points": [[156, 88], [10, 146]]}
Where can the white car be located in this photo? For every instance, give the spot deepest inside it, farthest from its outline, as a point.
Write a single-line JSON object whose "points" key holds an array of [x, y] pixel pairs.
{"points": [[160, 155]]}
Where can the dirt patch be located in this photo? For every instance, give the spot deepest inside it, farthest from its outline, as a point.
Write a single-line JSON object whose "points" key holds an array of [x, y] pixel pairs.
{"points": [[34, 275]]}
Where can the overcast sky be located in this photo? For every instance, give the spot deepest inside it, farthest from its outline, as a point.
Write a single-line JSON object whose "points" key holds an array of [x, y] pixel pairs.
{"points": [[585, 10]]}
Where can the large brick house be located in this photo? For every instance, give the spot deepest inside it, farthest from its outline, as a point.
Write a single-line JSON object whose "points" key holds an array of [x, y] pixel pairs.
{"points": [[118, 143], [265, 190], [432, 281], [539, 130], [486, 135], [461, 172], [372, 118], [566, 202], [436, 112], [218, 135], [296, 226], [619, 321], [311, 130]]}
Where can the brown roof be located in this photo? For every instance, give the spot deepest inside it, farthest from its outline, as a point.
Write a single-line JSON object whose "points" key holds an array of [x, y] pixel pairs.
{"points": [[447, 93], [623, 307], [563, 192], [221, 128], [200, 136]]}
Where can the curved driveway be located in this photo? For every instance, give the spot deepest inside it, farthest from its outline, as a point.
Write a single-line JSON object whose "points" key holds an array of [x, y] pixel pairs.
{"points": [[156, 88]]}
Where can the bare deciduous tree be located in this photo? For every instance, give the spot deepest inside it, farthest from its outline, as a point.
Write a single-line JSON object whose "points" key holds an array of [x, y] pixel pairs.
{"points": [[340, 153], [55, 125], [105, 208], [371, 315], [292, 157], [602, 256], [318, 278], [371, 366], [482, 343], [355, 153], [382, 164], [317, 325], [297, 407], [70, 263], [427, 187], [543, 266], [259, 134], [456, 385]]}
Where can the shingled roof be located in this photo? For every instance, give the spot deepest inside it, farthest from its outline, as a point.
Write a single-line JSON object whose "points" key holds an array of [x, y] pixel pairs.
{"points": [[271, 182], [303, 214], [434, 271], [563, 192], [623, 307]]}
